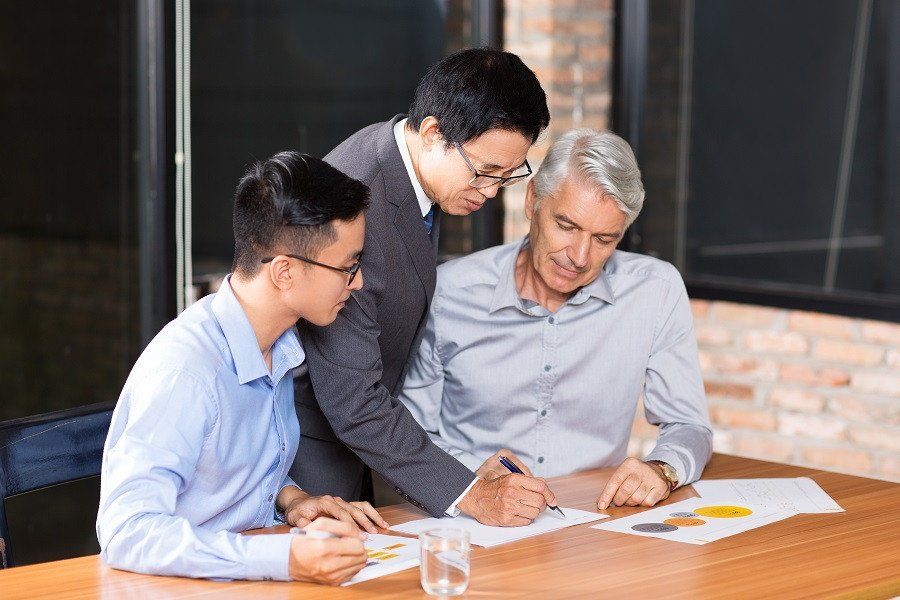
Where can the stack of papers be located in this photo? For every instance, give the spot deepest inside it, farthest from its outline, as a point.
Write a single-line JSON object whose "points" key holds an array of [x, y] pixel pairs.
{"points": [[727, 507], [487, 536], [799, 494]]}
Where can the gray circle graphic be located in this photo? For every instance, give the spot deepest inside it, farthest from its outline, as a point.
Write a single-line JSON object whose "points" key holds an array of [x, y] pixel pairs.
{"points": [[686, 515], [654, 528]]}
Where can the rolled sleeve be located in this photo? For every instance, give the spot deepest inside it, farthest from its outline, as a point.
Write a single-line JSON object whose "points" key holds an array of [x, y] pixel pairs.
{"points": [[674, 397]]}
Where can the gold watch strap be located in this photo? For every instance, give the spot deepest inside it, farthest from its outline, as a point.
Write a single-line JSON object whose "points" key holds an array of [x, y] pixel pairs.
{"points": [[669, 473]]}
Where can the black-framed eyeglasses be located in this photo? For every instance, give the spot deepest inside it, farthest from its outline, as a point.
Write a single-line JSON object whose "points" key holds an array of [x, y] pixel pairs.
{"points": [[480, 180], [352, 271]]}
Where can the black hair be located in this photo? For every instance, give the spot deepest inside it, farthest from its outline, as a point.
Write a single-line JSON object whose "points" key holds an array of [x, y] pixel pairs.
{"points": [[287, 204], [478, 89]]}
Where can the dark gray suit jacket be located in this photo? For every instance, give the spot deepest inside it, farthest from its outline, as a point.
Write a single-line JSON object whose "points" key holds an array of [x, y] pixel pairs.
{"points": [[346, 395]]}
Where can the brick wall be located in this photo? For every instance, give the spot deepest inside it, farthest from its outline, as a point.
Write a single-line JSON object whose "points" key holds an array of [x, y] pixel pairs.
{"points": [[798, 387], [568, 44], [790, 386]]}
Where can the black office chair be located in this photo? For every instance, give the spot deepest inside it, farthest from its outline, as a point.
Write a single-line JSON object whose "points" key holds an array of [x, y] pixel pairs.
{"points": [[44, 450]]}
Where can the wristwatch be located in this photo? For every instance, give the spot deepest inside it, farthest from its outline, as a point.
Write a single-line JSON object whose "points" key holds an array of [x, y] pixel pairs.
{"points": [[668, 473]]}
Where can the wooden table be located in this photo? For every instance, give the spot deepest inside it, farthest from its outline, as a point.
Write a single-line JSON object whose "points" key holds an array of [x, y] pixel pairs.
{"points": [[852, 554]]}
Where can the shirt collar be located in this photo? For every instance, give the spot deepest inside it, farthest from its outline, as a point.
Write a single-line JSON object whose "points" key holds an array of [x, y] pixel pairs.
{"points": [[506, 294], [424, 201], [248, 359]]}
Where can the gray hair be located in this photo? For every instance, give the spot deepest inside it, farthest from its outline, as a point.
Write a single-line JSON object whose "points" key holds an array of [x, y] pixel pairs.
{"points": [[601, 157]]}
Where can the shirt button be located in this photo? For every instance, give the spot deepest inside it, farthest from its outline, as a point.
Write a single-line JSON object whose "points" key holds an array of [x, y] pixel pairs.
{"points": [[551, 320], [540, 459], [544, 413], [546, 367], [282, 447], [273, 495]]}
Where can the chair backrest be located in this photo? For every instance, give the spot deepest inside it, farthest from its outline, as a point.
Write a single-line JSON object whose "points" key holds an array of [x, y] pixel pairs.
{"points": [[44, 450]]}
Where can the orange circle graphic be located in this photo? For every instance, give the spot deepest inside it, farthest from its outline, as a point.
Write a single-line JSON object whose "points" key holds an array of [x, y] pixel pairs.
{"points": [[684, 522]]}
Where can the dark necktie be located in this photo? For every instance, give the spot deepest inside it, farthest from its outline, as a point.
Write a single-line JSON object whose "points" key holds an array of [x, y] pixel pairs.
{"points": [[429, 220]]}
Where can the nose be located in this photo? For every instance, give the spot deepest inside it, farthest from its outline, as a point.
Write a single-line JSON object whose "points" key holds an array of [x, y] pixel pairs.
{"points": [[490, 191], [357, 282], [580, 251]]}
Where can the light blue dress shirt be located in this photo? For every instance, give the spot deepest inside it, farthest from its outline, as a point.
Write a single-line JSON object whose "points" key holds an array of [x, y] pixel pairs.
{"points": [[199, 447], [560, 390]]}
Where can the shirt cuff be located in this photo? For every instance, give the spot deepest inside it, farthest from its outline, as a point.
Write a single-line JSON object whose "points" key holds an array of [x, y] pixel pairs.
{"points": [[453, 510], [268, 556]]}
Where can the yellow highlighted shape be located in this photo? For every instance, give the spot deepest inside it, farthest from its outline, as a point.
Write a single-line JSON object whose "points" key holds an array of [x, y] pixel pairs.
{"points": [[394, 547], [723, 512], [684, 522]]}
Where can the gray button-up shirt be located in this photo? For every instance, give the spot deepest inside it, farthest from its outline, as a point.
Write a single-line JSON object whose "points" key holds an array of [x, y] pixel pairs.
{"points": [[560, 389]]}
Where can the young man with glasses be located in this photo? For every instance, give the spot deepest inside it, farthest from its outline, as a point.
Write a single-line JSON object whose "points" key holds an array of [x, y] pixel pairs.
{"points": [[205, 430], [474, 117]]}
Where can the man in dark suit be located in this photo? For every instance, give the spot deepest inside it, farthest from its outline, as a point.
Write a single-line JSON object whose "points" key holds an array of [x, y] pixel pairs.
{"points": [[474, 117]]}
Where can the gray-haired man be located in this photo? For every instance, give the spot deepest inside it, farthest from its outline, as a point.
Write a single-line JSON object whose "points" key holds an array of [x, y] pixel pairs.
{"points": [[543, 346]]}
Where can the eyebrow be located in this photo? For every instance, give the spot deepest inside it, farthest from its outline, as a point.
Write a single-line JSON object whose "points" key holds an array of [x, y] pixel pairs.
{"points": [[565, 219], [483, 166]]}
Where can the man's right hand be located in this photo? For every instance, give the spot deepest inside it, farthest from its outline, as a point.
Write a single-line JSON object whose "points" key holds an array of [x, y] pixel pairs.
{"points": [[508, 500], [331, 561]]}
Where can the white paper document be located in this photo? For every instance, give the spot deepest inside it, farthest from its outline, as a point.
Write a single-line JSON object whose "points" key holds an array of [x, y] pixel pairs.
{"points": [[697, 520], [487, 536], [800, 494], [387, 554]]}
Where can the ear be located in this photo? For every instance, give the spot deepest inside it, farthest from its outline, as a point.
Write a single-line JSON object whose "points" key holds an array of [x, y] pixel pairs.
{"points": [[530, 200], [280, 273], [430, 133]]}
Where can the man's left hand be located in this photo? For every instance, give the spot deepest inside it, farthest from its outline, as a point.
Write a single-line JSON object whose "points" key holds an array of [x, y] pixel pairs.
{"points": [[303, 510], [635, 483]]}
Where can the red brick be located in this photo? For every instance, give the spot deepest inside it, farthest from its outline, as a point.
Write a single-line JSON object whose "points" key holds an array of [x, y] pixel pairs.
{"points": [[848, 352], [796, 399], [761, 368], [705, 360], [806, 374], [880, 438], [699, 308], [866, 410], [822, 325], [877, 382], [881, 332], [737, 391], [595, 53], [781, 343], [838, 458], [712, 335], [597, 102], [745, 314], [811, 426], [743, 418], [766, 447]]}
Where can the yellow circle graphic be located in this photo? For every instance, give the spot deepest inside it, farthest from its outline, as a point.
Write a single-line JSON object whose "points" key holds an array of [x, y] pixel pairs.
{"points": [[684, 522], [723, 512]]}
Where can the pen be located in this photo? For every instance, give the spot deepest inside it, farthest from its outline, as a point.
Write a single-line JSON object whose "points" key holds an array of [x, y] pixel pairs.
{"points": [[313, 533], [514, 469]]}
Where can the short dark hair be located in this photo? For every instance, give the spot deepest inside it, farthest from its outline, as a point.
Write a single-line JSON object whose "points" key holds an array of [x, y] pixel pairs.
{"points": [[287, 204], [479, 89]]}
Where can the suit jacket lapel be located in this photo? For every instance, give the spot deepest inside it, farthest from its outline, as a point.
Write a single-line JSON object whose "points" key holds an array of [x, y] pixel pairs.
{"points": [[407, 217]]}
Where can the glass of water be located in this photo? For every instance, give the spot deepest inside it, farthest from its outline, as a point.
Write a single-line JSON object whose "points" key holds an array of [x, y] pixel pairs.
{"points": [[445, 561]]}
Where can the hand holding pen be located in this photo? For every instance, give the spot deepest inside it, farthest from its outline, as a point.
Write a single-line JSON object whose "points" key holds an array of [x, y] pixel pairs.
{"points": [[514, 469]]}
